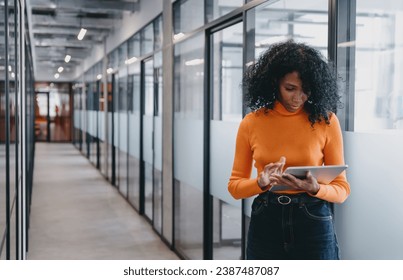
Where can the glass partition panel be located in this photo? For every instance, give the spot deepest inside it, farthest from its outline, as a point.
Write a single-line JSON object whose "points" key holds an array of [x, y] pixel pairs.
{"points": [[123, 131], [157, 172], [378, 103], [133, 49], [372, 183], [3, 121], [115, 127], [147, 39], [185, 18], [158, 35], [219, 8], [59, 113], [302, 21], [134, 134], [110, 117], [91, 121], [188, 146], [227, 51], [148, 132]]}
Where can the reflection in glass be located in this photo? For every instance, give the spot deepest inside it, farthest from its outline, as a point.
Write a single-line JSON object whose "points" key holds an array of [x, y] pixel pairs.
{"points": [[378, 101], [185, 17], [123, 136], [134, 135], [227, 49], [188, 221], [219, 8], [157, 173], [227, 231], [302, 21], [158, 35], [148, 131], [147, 39], [188, 146], [3, 158]]}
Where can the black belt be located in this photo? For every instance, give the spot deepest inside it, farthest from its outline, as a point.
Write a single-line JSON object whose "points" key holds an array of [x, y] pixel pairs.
{"points": [[285, 199]]}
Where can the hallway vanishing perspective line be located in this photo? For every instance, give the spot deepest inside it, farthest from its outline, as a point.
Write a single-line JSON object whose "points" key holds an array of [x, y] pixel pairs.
{"points": [[77, 214]]}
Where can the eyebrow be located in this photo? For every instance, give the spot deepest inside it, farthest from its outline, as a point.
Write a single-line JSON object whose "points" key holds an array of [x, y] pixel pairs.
{"points": [[290, 84]]}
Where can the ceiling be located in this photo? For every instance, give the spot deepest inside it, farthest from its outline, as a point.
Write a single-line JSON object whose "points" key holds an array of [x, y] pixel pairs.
{"points": [[55, 24]]}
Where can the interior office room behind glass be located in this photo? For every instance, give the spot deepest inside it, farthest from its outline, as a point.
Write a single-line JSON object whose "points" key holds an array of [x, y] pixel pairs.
{"points": [[156, 109]]}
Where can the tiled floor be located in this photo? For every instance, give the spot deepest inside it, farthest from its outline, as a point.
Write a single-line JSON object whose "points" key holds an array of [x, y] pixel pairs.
{"points": [[77, 214]]}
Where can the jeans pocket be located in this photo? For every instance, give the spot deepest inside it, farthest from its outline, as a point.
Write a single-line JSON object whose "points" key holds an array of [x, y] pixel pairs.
{"points": [[318, 211], [258, 205]]}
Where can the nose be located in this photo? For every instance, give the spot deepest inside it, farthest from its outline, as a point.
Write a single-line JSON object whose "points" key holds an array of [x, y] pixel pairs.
{"points": [[299, 95]]}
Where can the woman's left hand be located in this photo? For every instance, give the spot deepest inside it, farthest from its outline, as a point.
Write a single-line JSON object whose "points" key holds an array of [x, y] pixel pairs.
{"points": [[310, 184]]}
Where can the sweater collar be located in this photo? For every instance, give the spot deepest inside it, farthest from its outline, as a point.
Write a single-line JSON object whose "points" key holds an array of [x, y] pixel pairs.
{"points": [[279, 108]]}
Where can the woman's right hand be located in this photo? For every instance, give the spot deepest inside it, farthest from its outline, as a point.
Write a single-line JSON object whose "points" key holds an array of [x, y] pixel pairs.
{"points": [[272, 168]]}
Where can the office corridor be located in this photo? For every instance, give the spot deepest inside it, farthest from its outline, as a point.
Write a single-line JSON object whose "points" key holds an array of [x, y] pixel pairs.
{"points": [[77, 214]]}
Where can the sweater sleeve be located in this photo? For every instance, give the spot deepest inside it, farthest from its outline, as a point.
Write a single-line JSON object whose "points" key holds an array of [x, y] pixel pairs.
{"points": [[338, 190], [240, 184]]}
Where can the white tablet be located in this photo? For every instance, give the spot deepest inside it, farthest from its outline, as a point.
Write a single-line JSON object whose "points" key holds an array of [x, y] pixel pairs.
{"points": [[324, 174]]}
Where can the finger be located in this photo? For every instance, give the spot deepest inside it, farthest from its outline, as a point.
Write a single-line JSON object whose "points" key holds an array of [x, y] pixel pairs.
{"points": [[281, 164], [268, 167], [282, 160], [310, 177], [290, 178]]}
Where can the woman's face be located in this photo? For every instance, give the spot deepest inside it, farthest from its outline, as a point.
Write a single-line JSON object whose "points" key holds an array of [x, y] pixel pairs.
{"points": [[291, 94]]}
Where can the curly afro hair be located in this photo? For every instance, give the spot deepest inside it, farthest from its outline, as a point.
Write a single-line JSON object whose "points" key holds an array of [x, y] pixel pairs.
{"points": [[261, 79]]}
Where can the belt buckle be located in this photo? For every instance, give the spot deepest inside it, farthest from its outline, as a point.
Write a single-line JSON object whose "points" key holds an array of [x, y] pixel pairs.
{"points": [[281, 198]]}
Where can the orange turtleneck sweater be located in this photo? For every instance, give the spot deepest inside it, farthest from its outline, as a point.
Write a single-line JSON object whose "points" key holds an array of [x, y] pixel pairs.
{"points": [[264, 138]]}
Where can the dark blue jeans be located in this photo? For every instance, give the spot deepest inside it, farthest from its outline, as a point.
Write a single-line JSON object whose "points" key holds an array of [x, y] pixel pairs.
{"points": [[297, 231]]}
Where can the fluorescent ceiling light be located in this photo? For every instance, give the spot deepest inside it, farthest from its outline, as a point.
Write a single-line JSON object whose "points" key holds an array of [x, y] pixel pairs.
{"points": [[67, 58], [81, 34], [9, 68], [178, 36], [99, 76], [131, 60], [109, 70], [60, 69], [346, 44], [193, 62], [57, 76], [271, 40]]}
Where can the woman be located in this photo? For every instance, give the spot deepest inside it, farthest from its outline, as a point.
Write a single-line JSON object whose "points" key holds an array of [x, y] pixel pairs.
{"points": [[294, 97]]}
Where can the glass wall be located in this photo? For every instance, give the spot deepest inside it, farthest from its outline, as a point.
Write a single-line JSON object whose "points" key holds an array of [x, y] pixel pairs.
{"points": [[158, 142], [374, 67], [226, 114], [112, 81], [219, 8], [54, 114], [122, 119], [78, 109], [16, 131], [134, 90], [188, 146], [184, 17], [4, 134], [147, 120], [378, 103]]}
